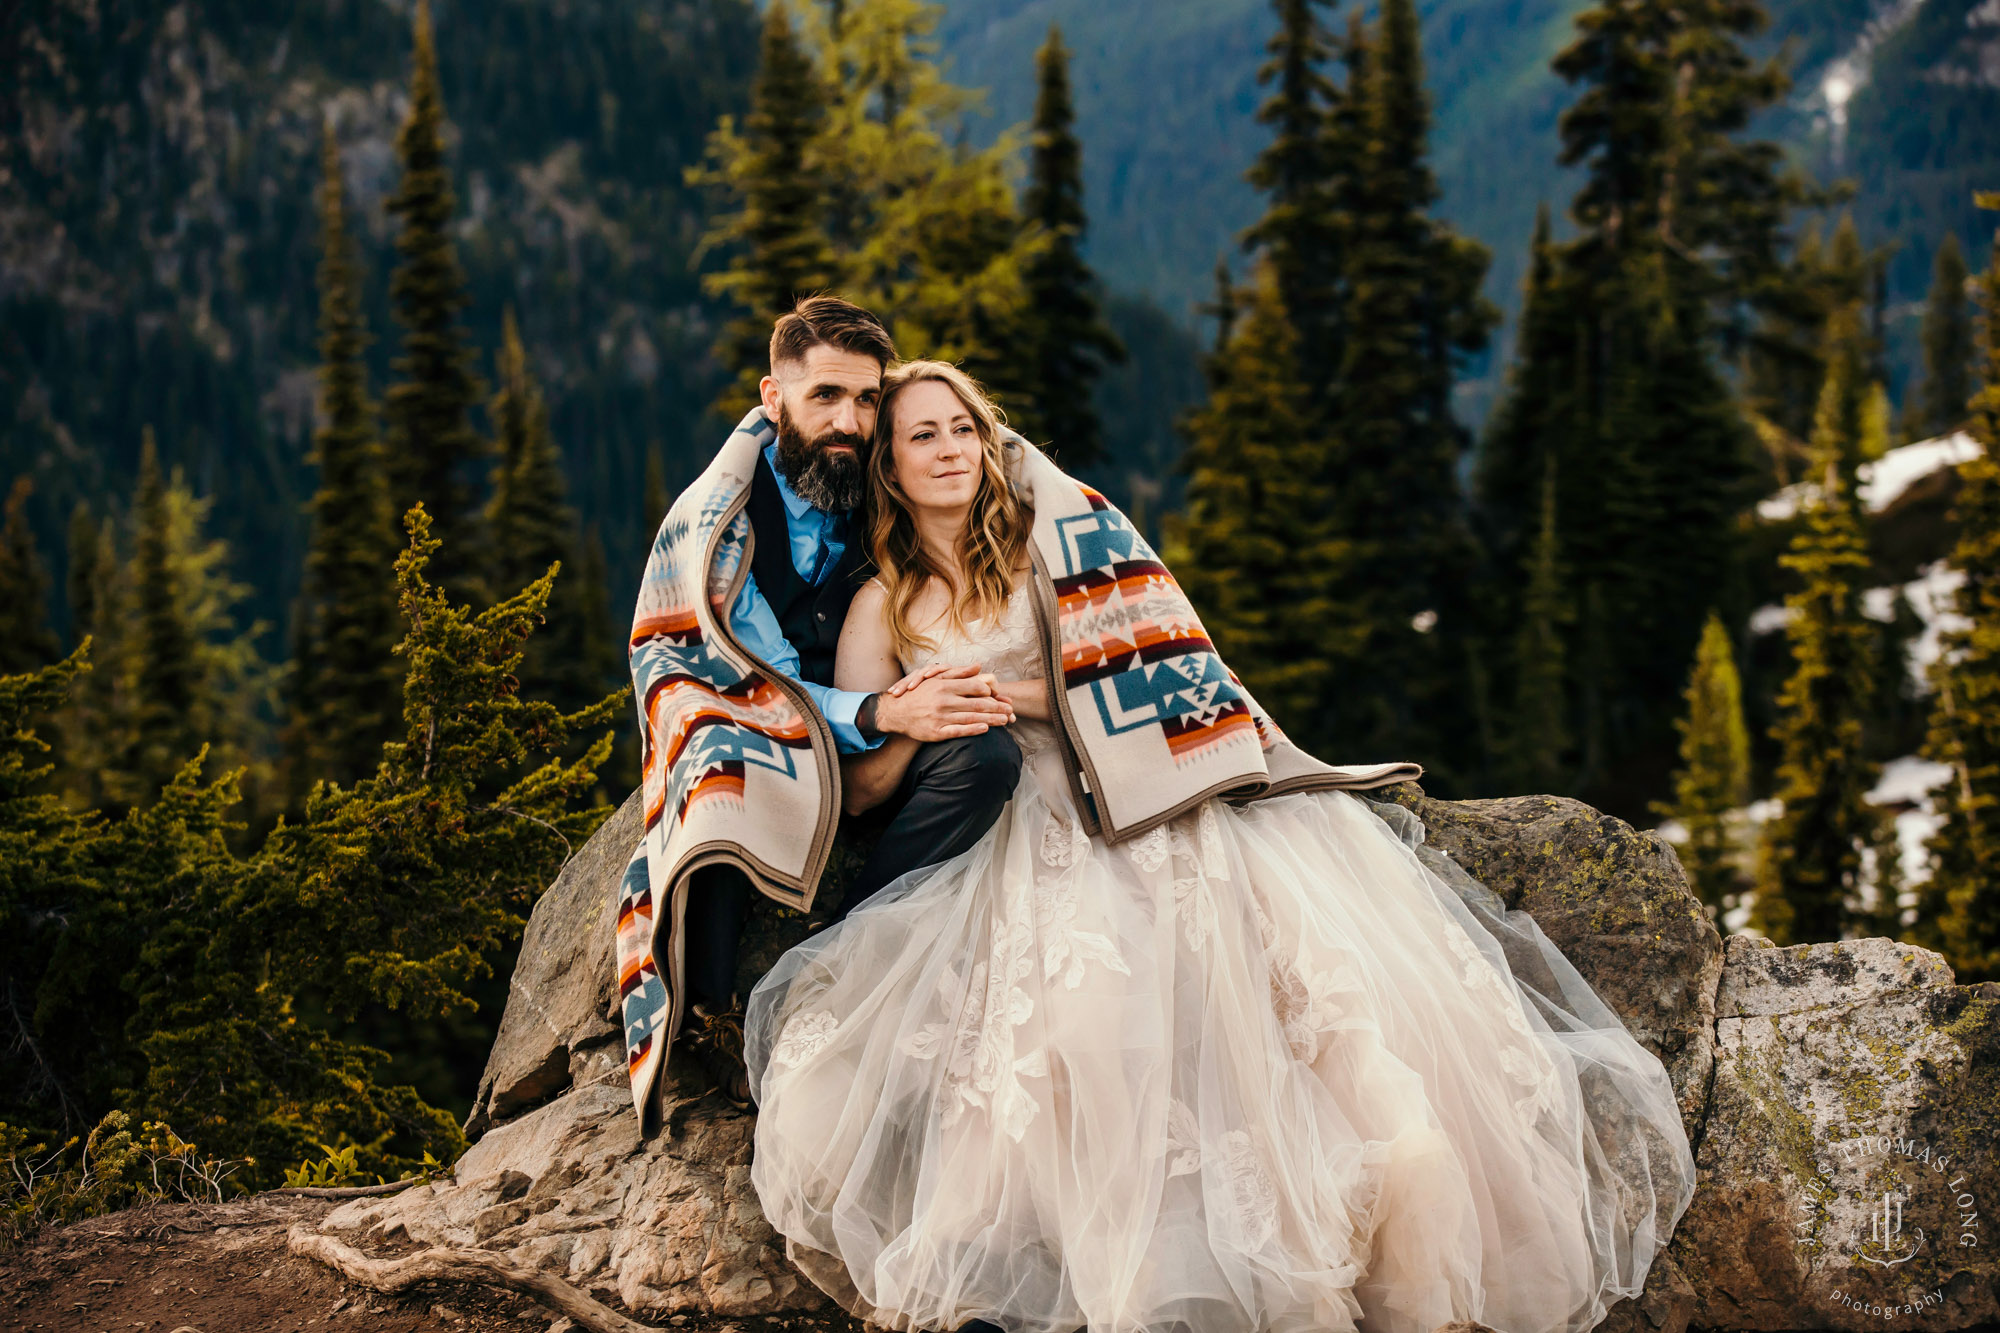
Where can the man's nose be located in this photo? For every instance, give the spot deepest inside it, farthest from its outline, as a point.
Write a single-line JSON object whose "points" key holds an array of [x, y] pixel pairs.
{"points": [[847, 416]]}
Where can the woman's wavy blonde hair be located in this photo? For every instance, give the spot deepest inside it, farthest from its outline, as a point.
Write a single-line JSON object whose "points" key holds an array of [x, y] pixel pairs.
{"points": [[996, 529]]}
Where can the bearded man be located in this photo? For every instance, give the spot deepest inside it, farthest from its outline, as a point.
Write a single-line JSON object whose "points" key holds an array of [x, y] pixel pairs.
{"points": [[807, 560]]}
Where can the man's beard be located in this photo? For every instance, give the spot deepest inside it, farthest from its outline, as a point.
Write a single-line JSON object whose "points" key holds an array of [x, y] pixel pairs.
{"points": [[828, 479]]}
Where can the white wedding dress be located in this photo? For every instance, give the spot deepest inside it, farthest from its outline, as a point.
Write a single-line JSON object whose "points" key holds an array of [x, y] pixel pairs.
{"points": [[1259, 1069]]}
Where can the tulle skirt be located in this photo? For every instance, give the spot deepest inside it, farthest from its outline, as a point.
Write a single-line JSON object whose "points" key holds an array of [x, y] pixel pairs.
{"points": [[1259, 1069]]}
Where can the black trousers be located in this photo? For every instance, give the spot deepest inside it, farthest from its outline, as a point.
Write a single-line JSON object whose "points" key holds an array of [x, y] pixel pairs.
{"points": [[950, 795]]}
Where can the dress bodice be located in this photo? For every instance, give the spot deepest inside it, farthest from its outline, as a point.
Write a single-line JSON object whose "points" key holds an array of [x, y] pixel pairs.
{"points": [[1009, 646]]}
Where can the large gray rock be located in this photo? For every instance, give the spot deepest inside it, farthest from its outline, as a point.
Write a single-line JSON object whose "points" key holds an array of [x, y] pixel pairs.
{"points": [[1789, 1064], [1851, 1143]]}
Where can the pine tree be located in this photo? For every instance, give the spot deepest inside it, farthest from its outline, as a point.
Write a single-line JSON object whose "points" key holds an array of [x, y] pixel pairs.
{"points": [[534, 530], [81, 579], [923, 231], [1071, 341], [1412, 311], [1679, 220], [1714, 776], [1540, 725], [1254, 550], [96, 721], [346, 702], [432, 445], [1816, 852], [170, 710], [1299, 172], [779, 240], [1958, 907], [1948, 340], [26, 642]]}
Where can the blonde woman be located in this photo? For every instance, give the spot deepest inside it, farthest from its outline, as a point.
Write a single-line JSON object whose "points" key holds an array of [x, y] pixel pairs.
{"points": [[1254, 1069]]}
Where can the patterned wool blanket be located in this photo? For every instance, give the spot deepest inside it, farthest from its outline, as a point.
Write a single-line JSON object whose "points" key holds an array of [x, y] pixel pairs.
{"points": [[739, 766]]}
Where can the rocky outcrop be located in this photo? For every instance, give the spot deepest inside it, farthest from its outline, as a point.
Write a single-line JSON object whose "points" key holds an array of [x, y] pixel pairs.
{"points": [[1816, 1082]]}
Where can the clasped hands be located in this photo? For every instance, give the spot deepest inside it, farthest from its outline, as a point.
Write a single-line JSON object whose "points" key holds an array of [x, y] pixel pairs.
{"points": [[939, 702]]}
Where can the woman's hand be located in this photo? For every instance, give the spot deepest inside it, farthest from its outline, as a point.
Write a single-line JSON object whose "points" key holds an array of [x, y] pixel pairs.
{"points": [[953, 702]]}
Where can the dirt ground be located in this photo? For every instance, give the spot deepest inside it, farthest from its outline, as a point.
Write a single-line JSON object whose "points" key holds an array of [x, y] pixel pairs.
{"points": [[223, 1268]]}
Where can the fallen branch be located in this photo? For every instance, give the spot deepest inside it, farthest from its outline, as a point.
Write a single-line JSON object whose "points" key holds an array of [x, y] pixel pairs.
{"points": [[393, 1276], [348, 1191]]}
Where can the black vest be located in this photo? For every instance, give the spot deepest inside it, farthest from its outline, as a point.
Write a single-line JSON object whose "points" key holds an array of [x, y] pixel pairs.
{"points": [[810, 617]]}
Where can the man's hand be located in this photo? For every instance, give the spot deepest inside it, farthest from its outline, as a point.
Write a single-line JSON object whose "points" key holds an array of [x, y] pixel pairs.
{"points": [[952, 702]]}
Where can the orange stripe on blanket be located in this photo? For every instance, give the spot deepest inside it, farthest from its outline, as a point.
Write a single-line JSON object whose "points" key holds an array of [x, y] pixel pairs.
{"points": [[1223, 729], [678, 622]]}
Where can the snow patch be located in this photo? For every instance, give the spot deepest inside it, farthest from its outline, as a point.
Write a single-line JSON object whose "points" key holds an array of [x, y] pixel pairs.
{"points": [[1771, 618], [1883, 480]]}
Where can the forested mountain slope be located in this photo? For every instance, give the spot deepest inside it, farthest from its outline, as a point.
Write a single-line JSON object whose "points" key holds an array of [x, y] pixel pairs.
{"points": [[158, 240]]}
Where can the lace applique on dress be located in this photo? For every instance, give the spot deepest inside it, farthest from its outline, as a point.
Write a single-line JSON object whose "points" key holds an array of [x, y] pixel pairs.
{"points": [[804, 1037]]}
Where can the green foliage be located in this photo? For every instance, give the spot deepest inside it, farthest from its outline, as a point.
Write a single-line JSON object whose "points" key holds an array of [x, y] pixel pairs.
{"points": [[112, 1168], [25, 640], [167, 727], [571, 661], [1540, 727], [923, 232], [1958, 907], [175, 665], [1948, 342], [1069, 341], [1303, 172], [344, 690], [1714, 777], [1679, 228], [772, 165], [1819, 852], [1266, 570], [432, 445], [152, 968], [1409, 312]]}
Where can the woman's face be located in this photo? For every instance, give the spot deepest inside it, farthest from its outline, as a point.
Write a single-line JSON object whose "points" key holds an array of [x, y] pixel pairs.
{"points": [[936, 444]]}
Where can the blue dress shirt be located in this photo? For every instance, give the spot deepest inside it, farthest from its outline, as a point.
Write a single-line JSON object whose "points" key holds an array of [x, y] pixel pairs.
{"points": [[818, 539]]}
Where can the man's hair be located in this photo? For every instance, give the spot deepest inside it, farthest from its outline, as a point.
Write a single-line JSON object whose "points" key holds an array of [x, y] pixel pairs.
{"points": [[828, 321]]}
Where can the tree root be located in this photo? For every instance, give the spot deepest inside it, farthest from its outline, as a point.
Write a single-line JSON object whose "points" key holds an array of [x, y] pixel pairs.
{"points": [[392, 1276], [347, 1191]]}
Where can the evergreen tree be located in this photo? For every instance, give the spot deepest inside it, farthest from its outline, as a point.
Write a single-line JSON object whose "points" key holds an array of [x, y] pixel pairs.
{"points": [[1679, 223], [923, 231], [1948, 340], [778, 238], [432, 445], [170, 710], [1412, 312], [1299, 172], [26, 642], [1254, 549], [1714, 777], [1541, 733], [935, 245], [81, 574], [213, 984], [345, 703], [1070, 339], [96, 721], [1958, 907], [1816, 852], [534, 531]]}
